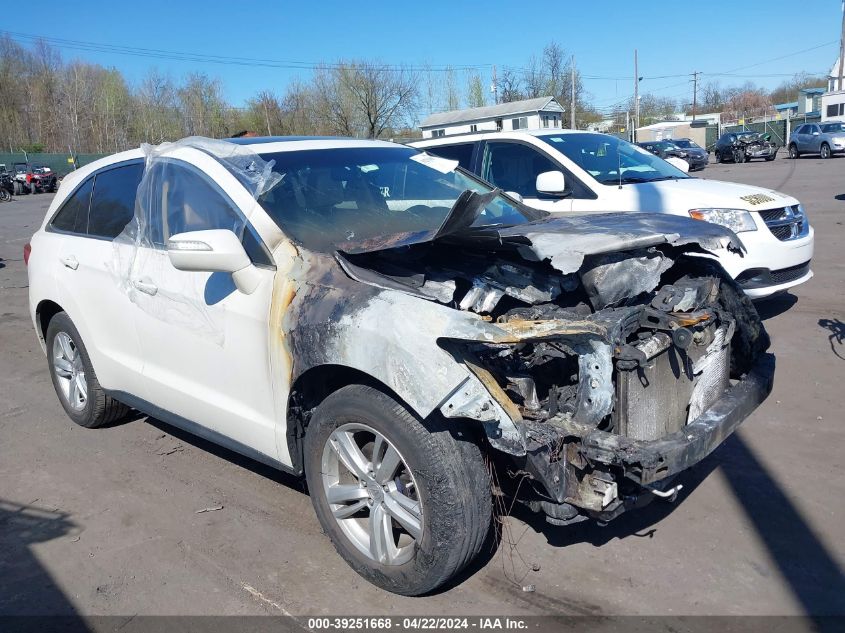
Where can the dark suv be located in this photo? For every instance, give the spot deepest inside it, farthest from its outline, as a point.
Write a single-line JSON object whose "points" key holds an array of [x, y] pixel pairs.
{"points": [[684, 149], [741, 147]]}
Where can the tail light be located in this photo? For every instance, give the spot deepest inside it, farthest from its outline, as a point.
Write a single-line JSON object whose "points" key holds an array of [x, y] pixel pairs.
{"points": [[27, 251]]}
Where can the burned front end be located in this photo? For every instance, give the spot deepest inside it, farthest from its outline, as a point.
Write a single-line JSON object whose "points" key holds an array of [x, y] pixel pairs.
{"points": [[604, 361]]}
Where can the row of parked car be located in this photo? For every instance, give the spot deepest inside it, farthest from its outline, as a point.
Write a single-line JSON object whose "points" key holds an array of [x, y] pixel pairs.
{"points": [[25, 178]]}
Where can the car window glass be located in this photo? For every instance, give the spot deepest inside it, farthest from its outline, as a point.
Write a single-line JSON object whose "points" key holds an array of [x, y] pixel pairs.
{"points": [[514, 167], [113, 202], [185, 199], [461, 153], [73, 216]]}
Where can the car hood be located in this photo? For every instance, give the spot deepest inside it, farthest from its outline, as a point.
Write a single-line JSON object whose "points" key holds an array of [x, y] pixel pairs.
{"points": [[564, 241], [689, 193]]}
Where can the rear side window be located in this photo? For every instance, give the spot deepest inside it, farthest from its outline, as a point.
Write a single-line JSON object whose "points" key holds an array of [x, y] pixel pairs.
{"points": [[113, 202], [461, 153], [73, 216]]}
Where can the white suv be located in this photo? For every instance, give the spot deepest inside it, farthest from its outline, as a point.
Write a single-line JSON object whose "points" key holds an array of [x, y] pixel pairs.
{"points": [[603, 173], [364, 314]]}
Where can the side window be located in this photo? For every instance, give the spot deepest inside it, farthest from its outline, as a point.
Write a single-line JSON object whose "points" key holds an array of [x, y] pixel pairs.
{"points": [[183, 199], [461, 153], [514, 167], [113, 202], [73, 216]]}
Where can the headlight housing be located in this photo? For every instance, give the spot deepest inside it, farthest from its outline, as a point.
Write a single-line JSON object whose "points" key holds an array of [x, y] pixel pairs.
{"points": [[738, 220]]}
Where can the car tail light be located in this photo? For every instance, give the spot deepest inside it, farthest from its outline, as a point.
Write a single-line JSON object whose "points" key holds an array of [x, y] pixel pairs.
{"points": [[27, 251]]}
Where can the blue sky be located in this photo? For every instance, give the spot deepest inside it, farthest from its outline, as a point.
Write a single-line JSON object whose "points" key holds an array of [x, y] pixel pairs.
{"points": [[713, 37]]}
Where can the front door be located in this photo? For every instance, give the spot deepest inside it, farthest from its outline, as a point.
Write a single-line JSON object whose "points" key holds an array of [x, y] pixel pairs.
{"points": [[205, 344]]}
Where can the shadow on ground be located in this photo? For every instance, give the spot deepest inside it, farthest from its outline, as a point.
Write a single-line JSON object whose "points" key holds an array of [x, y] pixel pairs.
{"points": [[837, 335]]}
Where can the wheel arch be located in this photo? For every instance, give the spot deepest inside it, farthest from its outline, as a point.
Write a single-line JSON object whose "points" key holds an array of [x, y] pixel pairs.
{"points": [[44, 312], [312, 387]]}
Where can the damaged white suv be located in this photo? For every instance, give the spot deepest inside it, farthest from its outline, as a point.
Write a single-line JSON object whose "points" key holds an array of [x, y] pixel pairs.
{"points": [[364, 314]]}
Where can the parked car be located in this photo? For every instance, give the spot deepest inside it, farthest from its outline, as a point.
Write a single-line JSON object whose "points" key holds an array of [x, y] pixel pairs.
{"points": [[773, 226], [22, 179], [44, 178], [697, 156], [365, 314], [665, 149], [824, 139], [741, 147]]}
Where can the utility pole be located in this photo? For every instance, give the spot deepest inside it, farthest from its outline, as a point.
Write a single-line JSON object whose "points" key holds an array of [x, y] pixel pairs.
{"points": [[694, 92], [842, 50], [636, 95], [572, 99], [494, 87]]}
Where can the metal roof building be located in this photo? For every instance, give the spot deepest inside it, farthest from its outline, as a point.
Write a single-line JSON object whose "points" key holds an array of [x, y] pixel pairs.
{"points": [[542, 112]]}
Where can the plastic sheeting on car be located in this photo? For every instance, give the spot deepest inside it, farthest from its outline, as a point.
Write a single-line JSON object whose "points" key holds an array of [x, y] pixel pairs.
{"points": [[176, 196]]}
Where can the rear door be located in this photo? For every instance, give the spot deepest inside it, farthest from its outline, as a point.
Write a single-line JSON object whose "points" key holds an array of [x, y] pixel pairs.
{"points": [[89, 220]]}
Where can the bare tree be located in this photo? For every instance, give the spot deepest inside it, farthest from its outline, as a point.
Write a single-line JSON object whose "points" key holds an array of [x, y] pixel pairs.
{"points": [[510, 87]]}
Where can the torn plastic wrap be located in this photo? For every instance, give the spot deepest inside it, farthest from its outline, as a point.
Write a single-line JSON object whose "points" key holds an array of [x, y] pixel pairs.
{"points": [[175, 196]]}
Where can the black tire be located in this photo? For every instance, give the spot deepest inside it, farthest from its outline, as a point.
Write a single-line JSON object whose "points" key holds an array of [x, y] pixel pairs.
{"points": [[451, 480], [769, 159], [5, 196], [717, 156], [99, 408], [824, 151], [739, 156], [16, 186], [793, 152]]}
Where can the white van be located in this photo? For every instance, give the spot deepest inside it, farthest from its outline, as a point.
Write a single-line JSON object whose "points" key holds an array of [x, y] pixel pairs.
{"points": [[567, 170]]}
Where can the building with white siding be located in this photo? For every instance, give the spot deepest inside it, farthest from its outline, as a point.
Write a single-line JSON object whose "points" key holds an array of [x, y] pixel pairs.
{"points": [[529, 114]]}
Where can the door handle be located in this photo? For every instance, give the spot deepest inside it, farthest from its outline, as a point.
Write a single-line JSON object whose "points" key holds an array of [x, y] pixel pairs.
{"points": [[69, 262], [145, 287]]}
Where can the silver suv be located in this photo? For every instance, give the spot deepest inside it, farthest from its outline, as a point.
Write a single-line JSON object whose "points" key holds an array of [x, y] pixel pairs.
{"points": [[825, 139]]}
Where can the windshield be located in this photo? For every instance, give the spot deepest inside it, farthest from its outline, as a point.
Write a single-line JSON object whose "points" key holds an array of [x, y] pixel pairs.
{"points": [[833, 128], [685, 143], [611, 160], [329, 197]]}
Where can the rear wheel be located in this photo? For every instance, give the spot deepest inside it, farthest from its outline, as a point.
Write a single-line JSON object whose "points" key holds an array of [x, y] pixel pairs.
{"points": [[825, 150], [5, 196], [717, 156], [406, 503], [74, 379], [793, 151]]}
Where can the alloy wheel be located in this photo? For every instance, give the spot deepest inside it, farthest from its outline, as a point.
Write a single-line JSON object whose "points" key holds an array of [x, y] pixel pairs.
{"points": [[372, 494], [70, 371]]}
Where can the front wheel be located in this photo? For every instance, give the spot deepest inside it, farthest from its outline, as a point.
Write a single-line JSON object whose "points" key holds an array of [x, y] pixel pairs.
{"points": [[5, 196], [407, 503], [793, 152], [739, 156], [74, 380], [825, 150]]}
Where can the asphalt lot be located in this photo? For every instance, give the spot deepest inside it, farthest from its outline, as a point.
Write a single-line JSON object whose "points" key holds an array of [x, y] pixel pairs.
{"points": [[105, 522]]}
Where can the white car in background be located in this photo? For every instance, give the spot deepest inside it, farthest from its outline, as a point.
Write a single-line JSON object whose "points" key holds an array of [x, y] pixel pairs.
{"points": [[562, 171]]}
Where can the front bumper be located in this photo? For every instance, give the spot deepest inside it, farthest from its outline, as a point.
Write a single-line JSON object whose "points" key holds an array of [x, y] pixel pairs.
{"points": [[646, 462], [762, 153], [603, 474]]}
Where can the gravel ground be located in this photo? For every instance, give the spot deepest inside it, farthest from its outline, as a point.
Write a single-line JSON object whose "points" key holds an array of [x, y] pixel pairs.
{"points": [[104, 522]]}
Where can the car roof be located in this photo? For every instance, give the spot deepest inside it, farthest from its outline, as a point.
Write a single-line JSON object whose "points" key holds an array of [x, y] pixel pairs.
{"points": [[261, 144], [469, 137]]}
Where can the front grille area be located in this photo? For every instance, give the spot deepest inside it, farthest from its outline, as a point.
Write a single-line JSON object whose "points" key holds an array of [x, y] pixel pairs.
{"points": [[792, 273], [786, 223]]}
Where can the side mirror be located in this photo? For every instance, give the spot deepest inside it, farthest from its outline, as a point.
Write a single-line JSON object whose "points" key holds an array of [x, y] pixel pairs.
{"points": [[552, 183], [215, 251], [815, 133]]}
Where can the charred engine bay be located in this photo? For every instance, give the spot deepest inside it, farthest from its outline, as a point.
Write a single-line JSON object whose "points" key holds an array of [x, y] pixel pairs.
{"points": [[639, 303]]}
